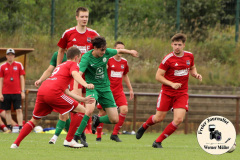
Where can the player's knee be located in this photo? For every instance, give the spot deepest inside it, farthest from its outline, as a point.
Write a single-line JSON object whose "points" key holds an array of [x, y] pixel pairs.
{"points": [[178, 121], [114, 120], [158, 119], [124, 111]]}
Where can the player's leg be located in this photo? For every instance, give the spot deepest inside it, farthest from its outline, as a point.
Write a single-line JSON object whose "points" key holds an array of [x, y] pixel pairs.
{"points": [[180, 107], [28, 127], [3, 115], [3, 126], [163, 105], [100, 126], [118, 126], [88, 113], [6, 105], [16, 98], [59, 127]]}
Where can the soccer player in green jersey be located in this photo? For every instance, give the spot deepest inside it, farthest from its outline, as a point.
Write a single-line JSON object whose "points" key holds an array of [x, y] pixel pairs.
{"points": [[94, 65], [64, 120]]}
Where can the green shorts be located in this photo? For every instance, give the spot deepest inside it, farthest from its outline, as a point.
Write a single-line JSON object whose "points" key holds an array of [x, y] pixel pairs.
{"points": [[103, 96]]}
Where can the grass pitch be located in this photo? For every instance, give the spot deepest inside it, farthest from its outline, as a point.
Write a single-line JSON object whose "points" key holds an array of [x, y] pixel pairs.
{"points": [[176, 147]]}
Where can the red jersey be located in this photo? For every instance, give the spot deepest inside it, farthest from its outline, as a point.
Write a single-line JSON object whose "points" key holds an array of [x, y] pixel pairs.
{"points": [[59, 80], [71, 37], [11, 77], [177, 71], [116, 70]]}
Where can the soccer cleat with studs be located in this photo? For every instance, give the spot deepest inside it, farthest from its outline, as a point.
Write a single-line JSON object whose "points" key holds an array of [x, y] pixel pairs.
{"points": [[140, 132], [99, 139], [115, 138], [157, 144], [72, 144], [95, 123]]}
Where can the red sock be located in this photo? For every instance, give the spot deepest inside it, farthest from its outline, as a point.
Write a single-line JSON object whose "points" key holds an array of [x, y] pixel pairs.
{"points": [[149, 122], [28, 127], [167, 132], [2, 126], [76, 119], [118, 126], [89, 126], [99, 130]]}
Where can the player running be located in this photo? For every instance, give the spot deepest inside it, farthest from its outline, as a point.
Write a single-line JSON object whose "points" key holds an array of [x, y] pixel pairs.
{"points": [[173, 73], [117, 71]]}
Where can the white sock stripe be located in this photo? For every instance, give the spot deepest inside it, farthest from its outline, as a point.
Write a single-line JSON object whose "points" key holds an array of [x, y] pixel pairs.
{"points": [[174, 124], [30, 124], [123, 115]]}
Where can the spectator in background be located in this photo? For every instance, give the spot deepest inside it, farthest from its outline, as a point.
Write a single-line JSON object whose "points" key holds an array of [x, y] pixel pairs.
{"points": [[12, 87], [2, 125]]}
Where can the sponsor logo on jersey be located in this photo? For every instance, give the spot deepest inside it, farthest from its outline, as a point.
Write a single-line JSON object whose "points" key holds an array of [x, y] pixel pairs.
{"points": [[122, 66], [74, 39], [113, 65], [89, 39], [188, 62], [182, 72], [6, 69], [176, 64], [116, 74], [15, 68], [83, 49]]}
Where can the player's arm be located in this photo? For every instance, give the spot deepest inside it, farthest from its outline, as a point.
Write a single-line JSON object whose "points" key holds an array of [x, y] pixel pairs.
{"points": [[78, 77], [60, 55], [87, 99], [127, 81], [47, 73], [193, 72], [1, 86], [126, 51], [160, 77], [76, 90], [22, 82]]}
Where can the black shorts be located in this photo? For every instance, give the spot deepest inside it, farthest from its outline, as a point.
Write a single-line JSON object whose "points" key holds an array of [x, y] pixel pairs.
{"points": [[9, 99]]}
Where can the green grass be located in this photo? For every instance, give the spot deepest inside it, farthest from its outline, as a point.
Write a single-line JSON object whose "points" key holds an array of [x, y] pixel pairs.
{"points": [[176, 147]]}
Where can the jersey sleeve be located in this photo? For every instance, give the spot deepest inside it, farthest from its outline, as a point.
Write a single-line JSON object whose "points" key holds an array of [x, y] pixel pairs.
{"points": [[192, 60], [164, 65], [53, 61], [126, 69], [63, 41], [22, 71], [74, 67], [83, 63], [1, 71], [110, 52]]}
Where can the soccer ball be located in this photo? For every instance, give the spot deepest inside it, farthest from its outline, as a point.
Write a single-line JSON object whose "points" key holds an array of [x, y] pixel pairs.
{"points": [[38, 129], [233, 148]]}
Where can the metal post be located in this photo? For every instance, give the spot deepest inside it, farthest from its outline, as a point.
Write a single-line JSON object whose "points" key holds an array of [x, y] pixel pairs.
{"points": [[178, 15], [26, 106], [52, 17], [116, 20], [237, 22], [134, 112]]}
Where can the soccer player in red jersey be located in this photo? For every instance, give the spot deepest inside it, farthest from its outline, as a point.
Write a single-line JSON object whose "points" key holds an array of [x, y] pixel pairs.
{"points": [[54, 94], [12, 87], [117, 71], [79, 36], [173, 73]]}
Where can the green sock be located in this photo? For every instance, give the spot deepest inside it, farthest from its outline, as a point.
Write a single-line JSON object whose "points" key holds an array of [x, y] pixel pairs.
{"points": [[68, 121], [104, 119], [82, 125], [59, 127]]}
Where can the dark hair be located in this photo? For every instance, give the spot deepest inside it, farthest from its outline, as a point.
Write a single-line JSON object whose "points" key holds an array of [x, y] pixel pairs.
{"points": [[72, 52], [83, 9], [99, 42], [179, 37], [118, 42]]}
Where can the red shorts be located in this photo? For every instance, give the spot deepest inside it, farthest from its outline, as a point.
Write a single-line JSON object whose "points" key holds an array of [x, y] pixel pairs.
{"points": [[45, 104], [120, 100], [166, 102], [1, 110]]}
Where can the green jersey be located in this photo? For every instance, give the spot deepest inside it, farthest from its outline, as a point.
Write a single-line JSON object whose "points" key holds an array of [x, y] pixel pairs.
{"points": [[53, 61], [95, 69]]}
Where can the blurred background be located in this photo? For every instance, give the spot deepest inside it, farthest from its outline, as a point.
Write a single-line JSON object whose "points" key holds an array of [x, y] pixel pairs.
{"points": [[145, 25]]}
